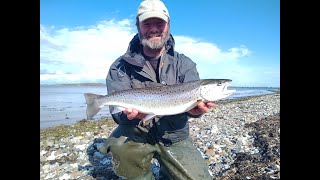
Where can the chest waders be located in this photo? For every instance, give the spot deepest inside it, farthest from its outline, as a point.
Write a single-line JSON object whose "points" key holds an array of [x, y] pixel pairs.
{"points": [[133, 148]]}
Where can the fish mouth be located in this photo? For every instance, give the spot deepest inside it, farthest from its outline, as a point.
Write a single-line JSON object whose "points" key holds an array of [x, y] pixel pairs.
{"points": [[225, 90]]}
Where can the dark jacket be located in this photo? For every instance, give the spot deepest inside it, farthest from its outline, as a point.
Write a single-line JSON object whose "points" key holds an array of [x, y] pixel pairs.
{"points": [[130, 71]]}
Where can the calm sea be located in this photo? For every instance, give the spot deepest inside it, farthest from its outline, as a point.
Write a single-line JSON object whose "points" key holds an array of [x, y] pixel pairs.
{"points": [[66, 104]]}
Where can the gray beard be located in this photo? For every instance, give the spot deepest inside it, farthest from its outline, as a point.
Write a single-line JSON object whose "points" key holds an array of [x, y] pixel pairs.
{"points": [[154, 44]]}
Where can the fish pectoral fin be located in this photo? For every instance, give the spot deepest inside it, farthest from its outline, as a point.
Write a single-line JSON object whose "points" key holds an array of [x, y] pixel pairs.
{"points": [[116, 109]]}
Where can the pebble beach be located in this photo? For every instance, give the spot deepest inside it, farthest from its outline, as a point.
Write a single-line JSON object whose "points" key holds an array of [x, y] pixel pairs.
{"points": [[239, 139]]}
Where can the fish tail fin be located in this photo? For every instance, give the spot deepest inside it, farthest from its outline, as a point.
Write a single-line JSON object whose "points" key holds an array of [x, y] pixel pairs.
{"points": [[93, 107]]}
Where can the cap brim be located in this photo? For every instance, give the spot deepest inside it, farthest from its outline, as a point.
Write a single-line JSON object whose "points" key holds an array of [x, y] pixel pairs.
{"points": [[153, 14]]}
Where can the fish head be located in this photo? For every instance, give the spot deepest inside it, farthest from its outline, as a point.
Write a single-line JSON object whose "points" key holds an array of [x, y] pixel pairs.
{"points": [[215, 89]]}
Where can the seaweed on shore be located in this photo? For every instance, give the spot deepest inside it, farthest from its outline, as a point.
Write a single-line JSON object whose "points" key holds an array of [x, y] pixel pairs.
{"points": [[262, 165], [76, 129]]}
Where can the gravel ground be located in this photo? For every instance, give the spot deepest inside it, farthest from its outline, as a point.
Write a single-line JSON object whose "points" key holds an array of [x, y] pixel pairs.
{"points": [[239, 139]]}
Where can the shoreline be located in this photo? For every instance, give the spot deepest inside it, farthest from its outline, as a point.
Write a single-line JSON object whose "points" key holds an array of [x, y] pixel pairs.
{"points": [[243, 133]]}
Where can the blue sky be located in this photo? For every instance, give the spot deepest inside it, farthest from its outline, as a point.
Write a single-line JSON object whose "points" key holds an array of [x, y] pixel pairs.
{"points": [[234, 39]]}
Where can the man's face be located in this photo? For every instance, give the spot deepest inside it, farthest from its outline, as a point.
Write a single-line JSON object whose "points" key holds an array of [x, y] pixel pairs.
{"points": [[154, 33]]}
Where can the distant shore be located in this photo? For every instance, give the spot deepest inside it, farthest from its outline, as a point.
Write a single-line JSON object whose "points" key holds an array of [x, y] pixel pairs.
{"points": [[75, 84]]}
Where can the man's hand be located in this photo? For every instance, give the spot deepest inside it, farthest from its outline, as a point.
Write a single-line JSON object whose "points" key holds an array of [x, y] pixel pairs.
{"points": [[202, 107], [133, 113]]}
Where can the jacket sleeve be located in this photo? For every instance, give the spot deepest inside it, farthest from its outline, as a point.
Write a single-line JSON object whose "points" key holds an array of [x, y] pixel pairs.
{"points": [[117, 80]]}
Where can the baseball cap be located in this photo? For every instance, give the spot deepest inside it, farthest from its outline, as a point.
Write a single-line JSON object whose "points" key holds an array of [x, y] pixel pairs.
{"points": [[152, 8]]}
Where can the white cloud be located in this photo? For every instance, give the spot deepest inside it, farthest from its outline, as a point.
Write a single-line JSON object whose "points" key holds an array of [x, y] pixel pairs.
{"points": [[209, 52], [84, 54]]}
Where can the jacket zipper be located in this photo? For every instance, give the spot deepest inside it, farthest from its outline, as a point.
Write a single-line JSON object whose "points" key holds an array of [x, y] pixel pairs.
{"points": [[161, 66]]}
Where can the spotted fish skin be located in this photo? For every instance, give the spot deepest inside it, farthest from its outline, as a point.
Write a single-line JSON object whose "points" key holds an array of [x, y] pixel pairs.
{"points": [[160, 100]]}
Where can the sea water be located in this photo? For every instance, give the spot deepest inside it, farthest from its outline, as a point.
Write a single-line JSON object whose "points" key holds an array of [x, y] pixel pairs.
{"points": [[65, 105]]}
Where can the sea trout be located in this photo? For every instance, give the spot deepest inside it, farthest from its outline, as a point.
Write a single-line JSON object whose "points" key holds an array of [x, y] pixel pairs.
{"points": [[160, 100]]}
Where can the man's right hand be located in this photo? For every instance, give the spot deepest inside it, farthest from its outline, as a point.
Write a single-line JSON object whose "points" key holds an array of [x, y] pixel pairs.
{"points": [[133, 113]]}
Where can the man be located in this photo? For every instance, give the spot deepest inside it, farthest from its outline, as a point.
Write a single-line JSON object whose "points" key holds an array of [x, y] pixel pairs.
{"points": [[150, 60]]}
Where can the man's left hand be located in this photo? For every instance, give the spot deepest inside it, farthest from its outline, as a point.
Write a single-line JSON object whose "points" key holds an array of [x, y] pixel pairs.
{"points": [[202, 107]]}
